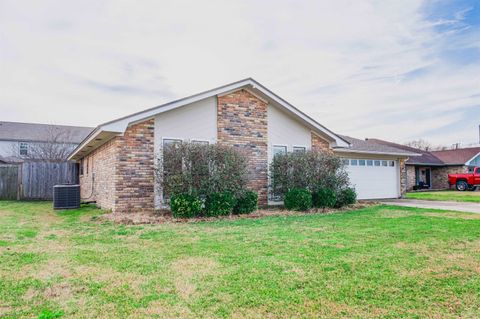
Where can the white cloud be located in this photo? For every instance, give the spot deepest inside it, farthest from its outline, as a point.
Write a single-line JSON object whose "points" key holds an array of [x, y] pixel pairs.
{"points": [[364, 68]]}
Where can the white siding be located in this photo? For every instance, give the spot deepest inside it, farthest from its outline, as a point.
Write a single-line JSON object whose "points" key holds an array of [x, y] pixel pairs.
{"points": [[196, 121], [475, 161], [8, 148], [284, 130]]}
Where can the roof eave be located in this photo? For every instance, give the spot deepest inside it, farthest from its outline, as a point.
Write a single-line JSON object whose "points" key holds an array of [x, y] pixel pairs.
{"points": [[120, 125], [346, 150]]}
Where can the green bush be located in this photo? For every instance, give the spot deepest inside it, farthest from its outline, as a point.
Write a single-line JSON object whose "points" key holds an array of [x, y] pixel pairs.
{"points": [[324, 197], [185, 206], [246, 203], [201, 169], [298, 199], [346, 196], [311, 170], [219, 204]]}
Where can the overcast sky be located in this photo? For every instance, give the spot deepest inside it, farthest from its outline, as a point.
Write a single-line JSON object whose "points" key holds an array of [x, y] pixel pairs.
{"points": [[397, 70]]}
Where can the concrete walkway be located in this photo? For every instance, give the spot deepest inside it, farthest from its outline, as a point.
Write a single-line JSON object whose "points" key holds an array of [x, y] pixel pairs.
{"points": [[456, 206]]}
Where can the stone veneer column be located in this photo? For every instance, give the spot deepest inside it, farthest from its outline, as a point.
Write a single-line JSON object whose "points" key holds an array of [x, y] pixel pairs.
{"points": [[403, 177], [242, 123], [134, 174], [319, 144]]}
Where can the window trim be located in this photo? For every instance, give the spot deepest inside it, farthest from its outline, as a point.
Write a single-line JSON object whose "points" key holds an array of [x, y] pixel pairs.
{"points": [[25, 148], [279, 145], [303, 147], [82, 162], [199, 141]]}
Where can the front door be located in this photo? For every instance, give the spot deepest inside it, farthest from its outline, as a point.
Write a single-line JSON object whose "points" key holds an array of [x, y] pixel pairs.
{"points": [[424, 177], [428, 178]]}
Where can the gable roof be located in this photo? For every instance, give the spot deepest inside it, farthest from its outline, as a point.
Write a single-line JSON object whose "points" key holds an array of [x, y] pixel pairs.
{"points": [[369, 146], [33, 132], [457, 157], [117, 127], [424, 157]]}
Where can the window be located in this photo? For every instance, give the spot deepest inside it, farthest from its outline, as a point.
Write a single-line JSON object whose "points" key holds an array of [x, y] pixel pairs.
{"points": [[87, 166], [299, 149], [377, 163], [200, 142], [384, 163], [361, 162], [392, 163], [81, 166], [345, 162], [169, 141], [354, 162], [23, 148], [369, 163], [277, 149]]}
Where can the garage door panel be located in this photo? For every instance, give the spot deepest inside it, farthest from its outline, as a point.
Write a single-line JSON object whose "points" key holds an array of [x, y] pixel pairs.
{"points": [[373, 182]]}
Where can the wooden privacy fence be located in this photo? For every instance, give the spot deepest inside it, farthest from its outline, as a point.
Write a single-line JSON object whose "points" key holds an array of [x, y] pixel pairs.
{"points": [[35, 180]]}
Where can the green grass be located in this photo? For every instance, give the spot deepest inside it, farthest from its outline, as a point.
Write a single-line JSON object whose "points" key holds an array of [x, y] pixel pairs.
{"points": [[447, 196], [378, 262]]}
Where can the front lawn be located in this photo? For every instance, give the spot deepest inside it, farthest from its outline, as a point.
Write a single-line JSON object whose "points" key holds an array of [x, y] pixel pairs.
{"points": [[382, 261], [447, 196]]}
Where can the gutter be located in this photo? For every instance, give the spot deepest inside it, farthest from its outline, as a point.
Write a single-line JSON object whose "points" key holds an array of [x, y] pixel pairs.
{"points": [[346, 150]]}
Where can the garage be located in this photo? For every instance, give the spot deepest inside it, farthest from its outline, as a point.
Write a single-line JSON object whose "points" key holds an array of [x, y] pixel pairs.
{"points": [[374, 168], [374, 178]]}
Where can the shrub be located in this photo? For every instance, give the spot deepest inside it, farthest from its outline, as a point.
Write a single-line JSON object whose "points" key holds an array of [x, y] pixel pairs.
{"points": [[298, 199], [201, 169], [185, 206], [324, 197], [219, 204], [246, 203], [346, 196], [311, 170]]}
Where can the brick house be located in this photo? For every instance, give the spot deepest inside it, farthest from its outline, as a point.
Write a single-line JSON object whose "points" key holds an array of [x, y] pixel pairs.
{"points": [[118, 158], [431, 168]]}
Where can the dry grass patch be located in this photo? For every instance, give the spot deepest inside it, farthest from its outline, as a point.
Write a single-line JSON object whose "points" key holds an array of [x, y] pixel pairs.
{"points": [[190, 270]]}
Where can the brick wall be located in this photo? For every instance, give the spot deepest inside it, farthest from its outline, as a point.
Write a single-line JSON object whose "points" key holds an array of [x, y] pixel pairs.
{"points": [[122, 171], [134, 178], [99, 172], [242, 123], [319, 143], [440, 175], [411, 180], [403, 177]]}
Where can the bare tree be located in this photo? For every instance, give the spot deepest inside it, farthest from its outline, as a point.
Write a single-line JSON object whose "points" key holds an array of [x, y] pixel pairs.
{"points": [[55, 147], [421, 144]]}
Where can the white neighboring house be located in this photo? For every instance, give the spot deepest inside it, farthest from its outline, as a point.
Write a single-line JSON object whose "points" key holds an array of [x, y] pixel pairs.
{"points": [[30, 141]]}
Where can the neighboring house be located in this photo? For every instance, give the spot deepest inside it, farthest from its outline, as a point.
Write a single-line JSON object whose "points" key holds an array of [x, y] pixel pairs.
{"points": [[432, 167], [118, 158], [29, 141]]}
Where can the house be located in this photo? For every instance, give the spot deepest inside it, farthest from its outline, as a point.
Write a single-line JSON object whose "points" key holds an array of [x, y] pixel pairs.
{"points": [[118, 158], [22, 141], [431, 169]]}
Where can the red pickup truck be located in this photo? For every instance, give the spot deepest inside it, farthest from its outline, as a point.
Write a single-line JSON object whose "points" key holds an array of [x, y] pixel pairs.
{"points": [[465, 182]]}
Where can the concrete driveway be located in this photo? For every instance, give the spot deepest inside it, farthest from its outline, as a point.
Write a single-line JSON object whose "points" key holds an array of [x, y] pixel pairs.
{"points": [[456, 206]]}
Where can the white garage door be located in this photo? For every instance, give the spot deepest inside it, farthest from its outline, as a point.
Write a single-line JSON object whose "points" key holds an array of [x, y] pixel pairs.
{"points": [[374, 178]]}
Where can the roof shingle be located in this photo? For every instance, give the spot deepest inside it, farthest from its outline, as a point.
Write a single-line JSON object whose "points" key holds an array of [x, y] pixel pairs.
{"points": [[372, 146], [32, 132]]}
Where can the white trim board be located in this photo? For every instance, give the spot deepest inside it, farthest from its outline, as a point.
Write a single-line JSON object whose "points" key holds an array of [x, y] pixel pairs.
{"points": [[120, 125]]}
